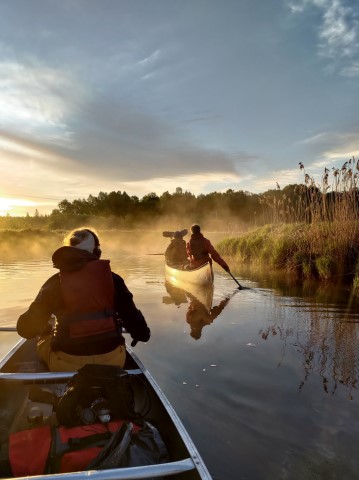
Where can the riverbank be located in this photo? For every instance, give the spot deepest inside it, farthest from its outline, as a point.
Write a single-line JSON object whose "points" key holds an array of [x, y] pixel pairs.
{"points": [[324, 251]]}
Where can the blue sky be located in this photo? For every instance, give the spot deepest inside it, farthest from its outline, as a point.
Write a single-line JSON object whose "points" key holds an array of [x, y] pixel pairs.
{"points": [[148, 95]]}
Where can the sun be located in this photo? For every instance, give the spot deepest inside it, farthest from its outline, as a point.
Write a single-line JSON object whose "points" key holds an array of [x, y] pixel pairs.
{"points": [[14, 206], [4, 206]]}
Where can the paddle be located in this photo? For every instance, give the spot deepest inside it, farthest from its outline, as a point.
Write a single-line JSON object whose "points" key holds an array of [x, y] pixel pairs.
{"points": [[8, 329], [237, 282]]}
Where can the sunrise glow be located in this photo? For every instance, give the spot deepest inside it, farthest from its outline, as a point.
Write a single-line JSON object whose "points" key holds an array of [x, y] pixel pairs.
{"points": [[14, 206]]}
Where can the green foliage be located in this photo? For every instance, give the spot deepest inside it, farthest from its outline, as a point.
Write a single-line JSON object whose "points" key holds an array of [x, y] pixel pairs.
{"points": [[356, 285], [307, 250], [325, 266]]}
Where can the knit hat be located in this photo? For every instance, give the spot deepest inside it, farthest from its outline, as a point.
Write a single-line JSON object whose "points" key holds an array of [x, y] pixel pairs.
{"points": [[82, 238], [87, 244], [177, 234]]}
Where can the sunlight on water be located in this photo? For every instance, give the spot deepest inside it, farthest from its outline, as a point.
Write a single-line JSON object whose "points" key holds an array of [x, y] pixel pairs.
{"points": [[269, 372]]}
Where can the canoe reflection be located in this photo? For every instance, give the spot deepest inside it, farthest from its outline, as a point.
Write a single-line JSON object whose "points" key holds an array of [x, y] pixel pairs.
{"points": [[200, 310]]}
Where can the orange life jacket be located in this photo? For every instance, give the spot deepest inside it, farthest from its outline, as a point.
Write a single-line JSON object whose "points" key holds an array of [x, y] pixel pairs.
{"points": [[88, 296], [198, 247]]}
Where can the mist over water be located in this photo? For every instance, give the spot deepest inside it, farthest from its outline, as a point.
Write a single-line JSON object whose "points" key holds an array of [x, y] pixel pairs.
{"points": [[264, 379]]}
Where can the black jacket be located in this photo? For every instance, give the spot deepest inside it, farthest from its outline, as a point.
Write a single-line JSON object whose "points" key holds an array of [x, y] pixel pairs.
{"points": [[176, 252], [50, 300]]}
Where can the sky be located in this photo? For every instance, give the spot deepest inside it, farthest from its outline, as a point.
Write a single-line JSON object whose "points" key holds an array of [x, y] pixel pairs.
{"points": [[146, 96]]}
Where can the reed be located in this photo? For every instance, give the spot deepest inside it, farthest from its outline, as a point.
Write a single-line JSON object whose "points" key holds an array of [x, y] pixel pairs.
{"points": [[314, 232]]}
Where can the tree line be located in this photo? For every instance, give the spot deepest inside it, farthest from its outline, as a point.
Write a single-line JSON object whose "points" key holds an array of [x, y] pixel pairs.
{"points": [[232, 210]]}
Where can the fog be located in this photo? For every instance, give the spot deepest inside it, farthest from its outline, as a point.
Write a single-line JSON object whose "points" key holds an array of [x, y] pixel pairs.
{"points": [[36, 244]]}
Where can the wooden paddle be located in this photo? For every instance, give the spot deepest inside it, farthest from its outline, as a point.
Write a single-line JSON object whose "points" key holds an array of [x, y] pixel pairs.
{"points": [[237, 282], [8, 329]]}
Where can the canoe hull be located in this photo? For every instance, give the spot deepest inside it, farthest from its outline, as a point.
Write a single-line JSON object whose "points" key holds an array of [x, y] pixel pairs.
{"points": [[201, 277]]}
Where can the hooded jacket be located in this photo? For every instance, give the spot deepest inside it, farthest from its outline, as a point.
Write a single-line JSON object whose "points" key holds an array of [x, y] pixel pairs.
{"points": [[200, 250], [90, 302], [176, 252]]}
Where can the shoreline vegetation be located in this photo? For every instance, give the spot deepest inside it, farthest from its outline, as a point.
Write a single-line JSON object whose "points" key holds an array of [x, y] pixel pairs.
{"points": [[310, 230]]}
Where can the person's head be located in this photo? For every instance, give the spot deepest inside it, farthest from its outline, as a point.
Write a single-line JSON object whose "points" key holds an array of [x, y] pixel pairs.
{"points": [[195, 228], [84, 239], [177, 234]]}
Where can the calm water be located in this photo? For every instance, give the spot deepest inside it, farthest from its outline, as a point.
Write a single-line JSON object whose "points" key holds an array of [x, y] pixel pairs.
{"points": [[265, 381]]}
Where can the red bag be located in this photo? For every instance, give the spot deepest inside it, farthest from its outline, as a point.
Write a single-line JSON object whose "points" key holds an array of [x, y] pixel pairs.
{"points": [[69, 449], [28, 451]]}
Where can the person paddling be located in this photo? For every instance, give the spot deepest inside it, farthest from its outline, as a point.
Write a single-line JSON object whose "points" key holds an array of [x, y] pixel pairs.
{"points": [[200, 250], [90, 303]]}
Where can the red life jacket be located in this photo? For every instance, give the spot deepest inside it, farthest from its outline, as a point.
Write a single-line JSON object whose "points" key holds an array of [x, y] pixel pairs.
{"points": [[198, 247], [88, 295]]}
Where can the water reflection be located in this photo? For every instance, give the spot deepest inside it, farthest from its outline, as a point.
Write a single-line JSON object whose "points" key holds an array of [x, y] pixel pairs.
{"points": [[201, 311], [198, 316], [327, 341]]}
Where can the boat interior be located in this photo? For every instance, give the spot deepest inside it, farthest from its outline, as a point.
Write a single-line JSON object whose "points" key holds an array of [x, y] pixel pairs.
{"points": [[28, 396]]}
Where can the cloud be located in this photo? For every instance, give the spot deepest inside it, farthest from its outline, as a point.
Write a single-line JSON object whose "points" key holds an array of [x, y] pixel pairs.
{"points": [[331, 149], [351, 70], [111, 140], [33, 101], [326, 149], [60, 121], [115, 147], [283, 177], [338, 32], [335, 145]]}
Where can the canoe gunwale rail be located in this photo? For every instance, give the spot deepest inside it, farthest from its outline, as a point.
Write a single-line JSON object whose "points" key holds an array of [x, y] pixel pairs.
{"points": [[148, 471]]}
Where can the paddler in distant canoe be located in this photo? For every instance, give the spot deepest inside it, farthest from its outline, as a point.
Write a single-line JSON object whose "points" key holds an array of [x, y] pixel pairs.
{"points": [[176, 253], [200, 250]]}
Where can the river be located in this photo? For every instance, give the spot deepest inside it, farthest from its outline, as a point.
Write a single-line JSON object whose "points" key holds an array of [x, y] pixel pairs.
{"points": [[265, 381]]}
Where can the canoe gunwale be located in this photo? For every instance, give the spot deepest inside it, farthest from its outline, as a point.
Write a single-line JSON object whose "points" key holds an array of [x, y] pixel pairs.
{"points": [[149, 471]]}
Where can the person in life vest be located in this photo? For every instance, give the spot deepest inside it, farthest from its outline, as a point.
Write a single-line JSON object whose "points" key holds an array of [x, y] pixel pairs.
{"points": [[176, 253], [91, 304], [200, 250]]}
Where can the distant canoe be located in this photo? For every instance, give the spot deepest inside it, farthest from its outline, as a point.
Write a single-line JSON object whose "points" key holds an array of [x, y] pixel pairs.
{"points": [[201, 276]]}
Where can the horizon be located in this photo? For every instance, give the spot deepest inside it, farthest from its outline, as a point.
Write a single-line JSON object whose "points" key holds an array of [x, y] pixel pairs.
{"points": [[144, 96]]}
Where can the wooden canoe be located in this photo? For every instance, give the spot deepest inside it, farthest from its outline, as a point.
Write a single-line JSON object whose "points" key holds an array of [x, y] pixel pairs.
{"points": [[201, 276], [20, 369]]}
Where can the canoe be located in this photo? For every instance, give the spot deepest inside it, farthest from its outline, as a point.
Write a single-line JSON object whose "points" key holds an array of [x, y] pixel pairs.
{"points": [[201, 276], [21, 370]]}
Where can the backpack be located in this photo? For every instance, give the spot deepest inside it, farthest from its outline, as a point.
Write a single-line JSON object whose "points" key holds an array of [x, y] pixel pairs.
{"points": [[98, 392]]}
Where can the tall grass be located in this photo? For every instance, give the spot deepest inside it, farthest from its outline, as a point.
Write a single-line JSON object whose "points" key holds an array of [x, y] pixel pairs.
{"points": [[315, 232]]}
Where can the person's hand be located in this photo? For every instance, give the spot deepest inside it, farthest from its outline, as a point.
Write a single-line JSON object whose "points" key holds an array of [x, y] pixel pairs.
{"points": [[144, 337]]}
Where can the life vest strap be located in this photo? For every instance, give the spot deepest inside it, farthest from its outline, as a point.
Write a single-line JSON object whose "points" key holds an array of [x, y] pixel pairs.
{"points": [[78, 317]]}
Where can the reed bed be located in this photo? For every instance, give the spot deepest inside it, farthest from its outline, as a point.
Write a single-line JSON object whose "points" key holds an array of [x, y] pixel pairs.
{"points": [[313, 232]]}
